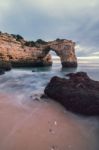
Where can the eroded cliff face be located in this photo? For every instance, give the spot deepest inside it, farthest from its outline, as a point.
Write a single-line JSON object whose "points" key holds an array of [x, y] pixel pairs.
{"points": [[21, 53], [18, 54]]}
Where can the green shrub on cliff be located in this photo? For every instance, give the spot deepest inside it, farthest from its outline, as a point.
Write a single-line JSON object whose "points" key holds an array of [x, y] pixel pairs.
{"points": [[30, 43], [17, 37], [40, 41]]}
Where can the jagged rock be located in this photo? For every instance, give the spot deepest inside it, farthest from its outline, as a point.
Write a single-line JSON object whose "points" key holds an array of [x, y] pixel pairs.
{"points": [[20, 53], [78, 94]]}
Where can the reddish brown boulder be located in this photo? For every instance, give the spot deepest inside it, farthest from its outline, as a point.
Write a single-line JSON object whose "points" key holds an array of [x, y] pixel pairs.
{"points": [[78, 94]]}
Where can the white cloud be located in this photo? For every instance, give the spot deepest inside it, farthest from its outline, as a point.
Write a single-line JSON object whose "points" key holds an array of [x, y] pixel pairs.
{"points": [[62, 8], [53, 8], [5, 6], [84, 51], [49, 19]]}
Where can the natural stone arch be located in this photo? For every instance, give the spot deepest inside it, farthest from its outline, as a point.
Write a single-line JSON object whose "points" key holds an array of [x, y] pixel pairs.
{"points": [[20, 53], [65, 49]]}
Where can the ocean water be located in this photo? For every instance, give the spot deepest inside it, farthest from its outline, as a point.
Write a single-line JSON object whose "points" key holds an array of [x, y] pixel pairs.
{"points": [[28, 84], [33, 80]]}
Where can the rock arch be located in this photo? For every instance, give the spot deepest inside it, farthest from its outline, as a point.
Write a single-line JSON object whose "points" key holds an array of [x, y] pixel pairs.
{"points": [[21, 53], [65, 49]]}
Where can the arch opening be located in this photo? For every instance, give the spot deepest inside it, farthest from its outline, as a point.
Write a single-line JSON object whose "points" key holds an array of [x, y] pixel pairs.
{"points": [[55, 58]]}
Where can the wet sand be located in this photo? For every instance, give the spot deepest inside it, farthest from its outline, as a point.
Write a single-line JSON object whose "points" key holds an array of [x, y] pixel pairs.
{"points": [[44, 126]]}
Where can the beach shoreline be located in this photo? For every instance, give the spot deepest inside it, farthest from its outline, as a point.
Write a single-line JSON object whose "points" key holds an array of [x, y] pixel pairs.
{"points": [[42, 125]]}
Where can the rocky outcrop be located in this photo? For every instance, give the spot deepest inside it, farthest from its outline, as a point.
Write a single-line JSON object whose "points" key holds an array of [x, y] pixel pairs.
{"points": [[20, 53], [5, 66], [1, 72], [78, 94], [65, 49]]}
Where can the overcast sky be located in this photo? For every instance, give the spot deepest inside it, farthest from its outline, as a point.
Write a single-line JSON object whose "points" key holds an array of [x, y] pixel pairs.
{"points": [[77, 20]]}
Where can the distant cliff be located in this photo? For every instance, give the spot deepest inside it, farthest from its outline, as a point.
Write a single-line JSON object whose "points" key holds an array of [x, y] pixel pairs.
{"points": [[20, 53]]}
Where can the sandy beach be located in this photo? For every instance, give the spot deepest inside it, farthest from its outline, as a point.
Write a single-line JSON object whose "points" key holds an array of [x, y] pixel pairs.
{"points": [[42, 126]]}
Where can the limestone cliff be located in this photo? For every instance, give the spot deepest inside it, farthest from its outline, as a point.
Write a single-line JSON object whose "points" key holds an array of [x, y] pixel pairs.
{"points": [[20, 53]]}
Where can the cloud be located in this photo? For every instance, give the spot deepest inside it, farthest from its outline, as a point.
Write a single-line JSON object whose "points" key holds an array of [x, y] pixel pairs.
{"points": [[49, 19]]}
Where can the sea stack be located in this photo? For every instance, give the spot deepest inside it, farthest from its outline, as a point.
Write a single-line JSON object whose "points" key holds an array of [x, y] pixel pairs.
{"points": [[16, 51]]}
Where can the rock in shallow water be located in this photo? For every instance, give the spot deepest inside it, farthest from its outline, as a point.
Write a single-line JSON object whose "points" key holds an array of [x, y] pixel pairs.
{"points": [[1, 72], [78, 94], [4, 66]]}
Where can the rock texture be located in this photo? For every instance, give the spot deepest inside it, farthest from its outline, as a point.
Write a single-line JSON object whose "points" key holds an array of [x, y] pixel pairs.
{"points": [[78, 94], [1, 72], [20, 53], [5, 66]]}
